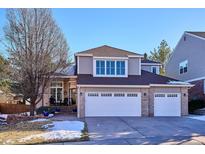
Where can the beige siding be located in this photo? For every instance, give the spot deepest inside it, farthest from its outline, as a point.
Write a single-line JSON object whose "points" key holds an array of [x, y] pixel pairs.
{"points": [[146, 68], [192, 50], [133, 66], [85, 65]]}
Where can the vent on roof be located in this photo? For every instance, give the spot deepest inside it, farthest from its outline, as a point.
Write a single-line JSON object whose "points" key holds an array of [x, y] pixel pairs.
{"points": [[184, 38]]}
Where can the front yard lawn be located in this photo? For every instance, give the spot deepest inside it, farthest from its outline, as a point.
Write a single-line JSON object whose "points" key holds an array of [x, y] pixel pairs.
{"points": [[43, 131]]}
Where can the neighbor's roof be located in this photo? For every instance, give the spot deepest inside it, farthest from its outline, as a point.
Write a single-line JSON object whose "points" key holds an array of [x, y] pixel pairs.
{"points": [[69, 70], [146, 78], [200, 34], [149, 61], [108, 51]]}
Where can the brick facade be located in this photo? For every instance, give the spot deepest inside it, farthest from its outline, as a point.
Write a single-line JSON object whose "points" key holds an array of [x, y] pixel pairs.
{"points": [[197, 92]]}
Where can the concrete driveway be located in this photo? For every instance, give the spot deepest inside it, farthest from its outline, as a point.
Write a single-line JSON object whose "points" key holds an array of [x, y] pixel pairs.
{"points": [[143, 130]]}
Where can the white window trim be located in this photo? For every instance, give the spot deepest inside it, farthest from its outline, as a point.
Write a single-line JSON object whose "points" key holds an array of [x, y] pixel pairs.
{"points": [[109, 59], [185, 61]]}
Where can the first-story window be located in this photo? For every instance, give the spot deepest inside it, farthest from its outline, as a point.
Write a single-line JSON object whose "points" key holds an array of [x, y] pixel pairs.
{"points": [[120, 67], [100, 67], [56, 92]]}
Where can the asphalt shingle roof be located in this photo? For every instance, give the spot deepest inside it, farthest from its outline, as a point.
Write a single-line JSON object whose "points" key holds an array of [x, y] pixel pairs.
{"points": [[108, 51], [145, 78], [200, 34]]}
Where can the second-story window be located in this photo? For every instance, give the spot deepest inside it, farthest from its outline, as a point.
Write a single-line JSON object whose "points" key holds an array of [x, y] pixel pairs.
{"points": [[110, 67], [100, 67], [183, 67], [120, 67], [154, 69]]}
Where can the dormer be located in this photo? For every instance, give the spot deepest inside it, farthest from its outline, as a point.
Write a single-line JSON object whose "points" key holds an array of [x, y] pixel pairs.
{"points": [[106, 61], [151, 66]]}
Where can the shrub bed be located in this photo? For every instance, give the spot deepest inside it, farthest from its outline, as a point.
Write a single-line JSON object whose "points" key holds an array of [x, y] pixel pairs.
{"points": [[196, 104], [49, 109]]}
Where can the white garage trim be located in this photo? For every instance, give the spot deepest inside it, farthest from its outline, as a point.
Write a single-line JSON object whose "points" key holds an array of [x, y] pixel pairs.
{"points": [[167, 104], [112, 104]]}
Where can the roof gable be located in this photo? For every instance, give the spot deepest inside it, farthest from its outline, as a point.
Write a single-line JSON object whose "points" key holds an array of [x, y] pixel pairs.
{"points": [[108, 51], [199, 34]]}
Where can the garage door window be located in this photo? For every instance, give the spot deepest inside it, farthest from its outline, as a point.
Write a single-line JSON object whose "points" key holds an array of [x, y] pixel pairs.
{"points": [[171, 95], [106, 94], [159, 95], [93, 94], [132, 95], [119, 95]]}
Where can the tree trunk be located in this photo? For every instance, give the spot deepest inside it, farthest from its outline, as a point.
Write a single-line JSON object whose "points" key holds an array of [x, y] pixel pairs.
{"points": [[32, 108]]}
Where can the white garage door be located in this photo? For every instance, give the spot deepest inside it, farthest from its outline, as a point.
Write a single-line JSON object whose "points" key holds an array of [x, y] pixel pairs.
{"points": [[112, 104], [167, 104]]}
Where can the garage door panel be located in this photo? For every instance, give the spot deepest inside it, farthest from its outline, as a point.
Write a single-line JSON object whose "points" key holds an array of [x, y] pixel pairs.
{"points": [[167, 104], [117, 104]]}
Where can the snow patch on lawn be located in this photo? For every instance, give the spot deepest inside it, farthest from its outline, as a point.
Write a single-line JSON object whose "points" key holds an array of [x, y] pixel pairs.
{"points": [[61, 130], [39, 120], [4, 116], [199, 117]]}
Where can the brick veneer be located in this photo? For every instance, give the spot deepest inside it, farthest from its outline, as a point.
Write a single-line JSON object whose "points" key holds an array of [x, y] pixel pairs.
{"points": [[197, 92]]}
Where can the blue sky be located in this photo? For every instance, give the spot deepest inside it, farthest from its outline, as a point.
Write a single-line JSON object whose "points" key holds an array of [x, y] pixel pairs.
{"points": [[138, 30]]}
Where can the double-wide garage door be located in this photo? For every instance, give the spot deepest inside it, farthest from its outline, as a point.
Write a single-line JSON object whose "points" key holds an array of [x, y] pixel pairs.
{"points": [[112, 104], [167, 104]]}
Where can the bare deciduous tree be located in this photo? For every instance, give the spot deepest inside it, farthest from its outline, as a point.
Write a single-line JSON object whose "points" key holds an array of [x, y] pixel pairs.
{"points": [[37, 48]]}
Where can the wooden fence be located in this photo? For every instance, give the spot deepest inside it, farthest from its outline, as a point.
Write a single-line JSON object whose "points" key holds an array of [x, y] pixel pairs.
{"points": [[13, 108]]}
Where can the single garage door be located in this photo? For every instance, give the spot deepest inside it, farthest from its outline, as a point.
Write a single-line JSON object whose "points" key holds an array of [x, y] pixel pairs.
{"points": [[167, 104], [112, 104]]}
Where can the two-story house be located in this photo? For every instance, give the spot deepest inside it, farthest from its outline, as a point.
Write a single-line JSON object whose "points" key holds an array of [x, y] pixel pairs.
{"points": [[187, 63], [108, 81]]}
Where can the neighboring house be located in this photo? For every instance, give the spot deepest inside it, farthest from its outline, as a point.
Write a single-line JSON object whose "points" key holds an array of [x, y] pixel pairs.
{"points": [[108, 81], [187, 63], [10, 98], [151, 66]]}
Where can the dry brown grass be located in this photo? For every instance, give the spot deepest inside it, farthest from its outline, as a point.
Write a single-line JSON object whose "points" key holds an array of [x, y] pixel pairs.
{"points": [[11, 134]]}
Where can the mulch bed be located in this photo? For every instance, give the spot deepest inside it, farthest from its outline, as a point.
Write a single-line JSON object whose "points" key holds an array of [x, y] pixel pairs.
{"points": [[13, 119]]}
